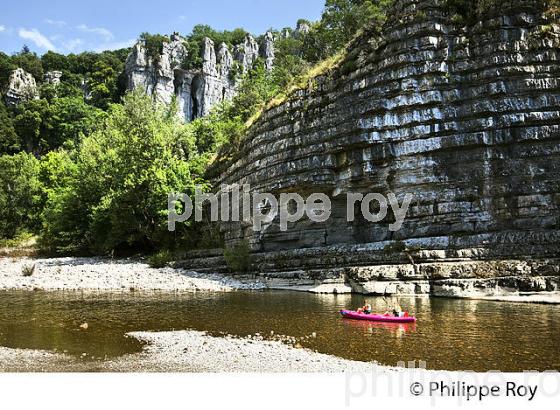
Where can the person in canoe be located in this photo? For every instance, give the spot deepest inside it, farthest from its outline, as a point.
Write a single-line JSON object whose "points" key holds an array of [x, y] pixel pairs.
{"points": [[396, 311], [366, 309]]}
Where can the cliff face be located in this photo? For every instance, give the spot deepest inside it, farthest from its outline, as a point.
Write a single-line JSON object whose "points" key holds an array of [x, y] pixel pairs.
{"points": [[465, 119], [21, 87], [196, 91], [52, 77]]}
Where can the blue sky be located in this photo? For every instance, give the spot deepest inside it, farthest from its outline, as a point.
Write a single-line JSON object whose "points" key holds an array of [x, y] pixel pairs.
{"points": [[72, 26]]}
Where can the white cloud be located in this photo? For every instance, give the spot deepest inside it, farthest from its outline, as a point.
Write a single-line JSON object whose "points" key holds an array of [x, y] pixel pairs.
{"points": [[72, 44], [6, 30], [116, 45], [101, 31], [37, 38], [57, 23]]}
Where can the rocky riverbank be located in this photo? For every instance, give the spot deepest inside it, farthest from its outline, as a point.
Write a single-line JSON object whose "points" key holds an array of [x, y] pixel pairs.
{"points": [[25, 360], [190, 352], [99, 274], [512, 281]]}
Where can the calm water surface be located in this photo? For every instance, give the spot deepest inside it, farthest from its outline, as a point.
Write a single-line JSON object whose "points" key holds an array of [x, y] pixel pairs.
{"points": [[450, 334]]}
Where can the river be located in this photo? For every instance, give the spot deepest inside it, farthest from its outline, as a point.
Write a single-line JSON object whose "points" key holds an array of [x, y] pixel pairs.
{"points": [[450, 334]]}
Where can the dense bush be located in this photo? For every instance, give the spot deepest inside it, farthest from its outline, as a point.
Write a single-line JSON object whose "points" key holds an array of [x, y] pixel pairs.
{"points": [[193, 59], [231, 38], [340, 21], [194, 42], [255, 90], [7, 66], [62, 115], [160, 259], [238, 257]]}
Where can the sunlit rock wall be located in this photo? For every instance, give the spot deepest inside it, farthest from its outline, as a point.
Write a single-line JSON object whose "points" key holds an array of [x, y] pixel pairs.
{"points": [[21, 87], [196, 91], [465, 119]]}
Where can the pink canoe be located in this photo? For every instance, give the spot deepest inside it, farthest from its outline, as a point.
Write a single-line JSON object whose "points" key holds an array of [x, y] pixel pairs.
{"points": [[349, 314]]}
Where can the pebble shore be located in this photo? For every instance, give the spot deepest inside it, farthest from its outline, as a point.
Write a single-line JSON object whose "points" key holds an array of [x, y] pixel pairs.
{"points": [[190, 352], [36, 361], [99, 274], [193, 351]]}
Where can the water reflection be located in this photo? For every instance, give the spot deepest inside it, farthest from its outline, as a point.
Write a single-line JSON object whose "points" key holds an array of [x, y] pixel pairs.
{"points": [[449, 334], [396, 330]]}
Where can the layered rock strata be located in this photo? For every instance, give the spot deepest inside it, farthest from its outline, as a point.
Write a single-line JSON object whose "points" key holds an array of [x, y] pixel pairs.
{"points": [[464, 118]]}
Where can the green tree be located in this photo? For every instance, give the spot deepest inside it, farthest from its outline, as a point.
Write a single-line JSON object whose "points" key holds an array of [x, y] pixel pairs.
{"points": [[117, 196], [31, 124], [52, 61], [256, 89], [20, 193], [44, 126], [154, 45], [29, 62], [70, 120], [70, 85], [289, 61], [102, 84], [234, 37], [210, 133], [6, 68], [194, 41], [340, 21], [9, 140]]}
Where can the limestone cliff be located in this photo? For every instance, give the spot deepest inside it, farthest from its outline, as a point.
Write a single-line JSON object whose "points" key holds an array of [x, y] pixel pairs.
{"points": [[195, 90], [465, 118], [52, 77], [21, 87], [267, 51]]}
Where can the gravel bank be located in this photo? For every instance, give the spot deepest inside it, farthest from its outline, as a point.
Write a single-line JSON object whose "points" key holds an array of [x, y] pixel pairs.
{"points": [[23, 360], [189, 352], [99, 274]]}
